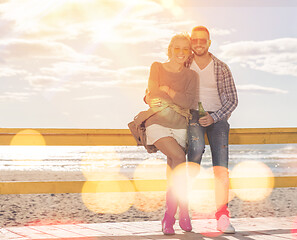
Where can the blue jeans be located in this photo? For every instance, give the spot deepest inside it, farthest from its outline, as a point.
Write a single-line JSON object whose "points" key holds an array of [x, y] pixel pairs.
{"points": [[218, 137]]}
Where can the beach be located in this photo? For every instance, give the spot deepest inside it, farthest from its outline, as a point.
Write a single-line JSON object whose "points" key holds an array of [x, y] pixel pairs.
{"points": [[75, 164], [66, 208], [44, 209]]}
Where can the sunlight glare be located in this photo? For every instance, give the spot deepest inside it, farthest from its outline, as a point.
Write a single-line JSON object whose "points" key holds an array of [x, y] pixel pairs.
{"points": [[28, 137], [97, 163], [150, 169], [149, 201], [201, 194], [202, 191], [173, 6], [252, 180], [29, 145], [108, 196]]}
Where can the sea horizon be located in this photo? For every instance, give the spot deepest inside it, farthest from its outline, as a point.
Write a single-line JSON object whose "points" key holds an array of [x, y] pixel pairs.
{"points": [[281, 159]]}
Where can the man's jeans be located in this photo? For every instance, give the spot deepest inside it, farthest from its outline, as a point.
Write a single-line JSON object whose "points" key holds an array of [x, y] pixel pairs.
{"points": [[217, 135]]}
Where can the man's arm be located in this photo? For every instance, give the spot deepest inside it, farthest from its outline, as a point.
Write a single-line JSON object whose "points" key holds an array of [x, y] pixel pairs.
{"points": [[230, 95]]}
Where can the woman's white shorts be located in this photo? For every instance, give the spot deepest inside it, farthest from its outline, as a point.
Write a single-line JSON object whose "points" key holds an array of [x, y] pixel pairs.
{"points": [[155, 131]]}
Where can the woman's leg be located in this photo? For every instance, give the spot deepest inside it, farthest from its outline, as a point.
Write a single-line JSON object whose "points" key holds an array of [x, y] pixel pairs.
{"points": [[175, 156], [170, 147]]}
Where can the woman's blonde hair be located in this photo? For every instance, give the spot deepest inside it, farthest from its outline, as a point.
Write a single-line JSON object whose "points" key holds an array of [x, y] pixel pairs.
{"points": [[183, 35]]}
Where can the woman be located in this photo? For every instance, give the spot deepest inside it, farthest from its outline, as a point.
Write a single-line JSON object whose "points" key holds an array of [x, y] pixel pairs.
{"points": [[172, 88]]}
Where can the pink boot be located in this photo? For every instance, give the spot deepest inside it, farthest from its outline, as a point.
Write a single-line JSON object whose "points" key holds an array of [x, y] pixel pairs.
{"points": [[169, 219], [185, 222], [184, 218], [167, 225]]}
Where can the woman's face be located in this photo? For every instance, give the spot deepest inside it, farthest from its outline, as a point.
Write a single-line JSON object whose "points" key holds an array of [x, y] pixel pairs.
{"points": [[180, 50]]}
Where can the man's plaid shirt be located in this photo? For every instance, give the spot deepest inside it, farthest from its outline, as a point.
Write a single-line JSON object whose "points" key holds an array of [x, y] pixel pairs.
{"points": [[226, 88]]}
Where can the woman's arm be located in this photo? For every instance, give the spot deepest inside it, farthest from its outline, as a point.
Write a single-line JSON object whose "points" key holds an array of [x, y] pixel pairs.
{"points": [[187, 98], [155, 93]]}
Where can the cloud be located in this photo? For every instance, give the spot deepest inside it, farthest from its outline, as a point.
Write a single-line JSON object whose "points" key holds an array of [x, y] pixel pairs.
{"points": [[56, 89], [46, 83], [14, 49], [82, 74], [56, 66], [18, 96], [241, 3], [6, 71], [113, 21], [74, 68], [260, 89], [48, 65], [221, 32], [57, 44], [93, 97], [158, 56], [104, 21], [278, 56], [21, 48], [122, 77], [133, 73], [68, 19], [42, 80], [102, 83]]}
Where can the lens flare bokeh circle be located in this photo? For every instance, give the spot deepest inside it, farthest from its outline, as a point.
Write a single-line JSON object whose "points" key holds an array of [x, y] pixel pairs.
{"points": [[252, 180], [150, 181], [114, 195]]}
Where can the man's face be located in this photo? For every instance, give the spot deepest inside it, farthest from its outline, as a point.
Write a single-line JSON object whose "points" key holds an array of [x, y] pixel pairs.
{"points": [[200, 42]]}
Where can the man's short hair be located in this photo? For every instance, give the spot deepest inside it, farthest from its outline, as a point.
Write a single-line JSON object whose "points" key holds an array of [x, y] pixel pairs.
{"points": [[201, 28]]}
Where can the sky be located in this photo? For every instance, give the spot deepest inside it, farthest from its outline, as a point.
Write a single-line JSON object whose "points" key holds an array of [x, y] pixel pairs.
{"points": [[85, 63]]}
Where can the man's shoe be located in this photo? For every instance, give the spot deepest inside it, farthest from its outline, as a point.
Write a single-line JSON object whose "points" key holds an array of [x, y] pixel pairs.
{"points": [[224, 225]]}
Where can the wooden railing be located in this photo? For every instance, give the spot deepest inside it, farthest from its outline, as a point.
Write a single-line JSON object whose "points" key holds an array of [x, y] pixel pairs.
{"points": [[123, 137]]}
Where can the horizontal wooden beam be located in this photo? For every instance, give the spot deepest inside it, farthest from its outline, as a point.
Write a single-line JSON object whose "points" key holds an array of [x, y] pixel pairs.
{"points": [[133, 185], [123, 137]]}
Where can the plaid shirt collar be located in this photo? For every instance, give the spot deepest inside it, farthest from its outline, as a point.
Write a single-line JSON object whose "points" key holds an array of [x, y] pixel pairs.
{"points": [[191, 59]]}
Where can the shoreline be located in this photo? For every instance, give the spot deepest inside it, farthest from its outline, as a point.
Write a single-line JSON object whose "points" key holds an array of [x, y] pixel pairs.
{"points": [[46, 175]]}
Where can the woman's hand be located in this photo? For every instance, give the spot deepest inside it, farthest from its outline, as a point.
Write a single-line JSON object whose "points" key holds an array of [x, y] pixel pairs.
{"points": [[155, 102]]}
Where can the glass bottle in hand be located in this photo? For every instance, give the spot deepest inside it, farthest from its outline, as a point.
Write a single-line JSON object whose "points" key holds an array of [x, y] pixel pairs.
{"points": [[201, 110]]}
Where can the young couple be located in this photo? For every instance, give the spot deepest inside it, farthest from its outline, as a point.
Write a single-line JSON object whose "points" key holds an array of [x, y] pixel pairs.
{"points": [[191, 74]]}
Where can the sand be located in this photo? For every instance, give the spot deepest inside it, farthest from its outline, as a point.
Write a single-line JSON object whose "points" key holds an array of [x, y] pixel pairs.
{"points": [[43, 209]]}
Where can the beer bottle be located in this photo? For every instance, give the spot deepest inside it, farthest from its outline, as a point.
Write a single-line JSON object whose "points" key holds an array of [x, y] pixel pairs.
{"points": [[201, 110]]}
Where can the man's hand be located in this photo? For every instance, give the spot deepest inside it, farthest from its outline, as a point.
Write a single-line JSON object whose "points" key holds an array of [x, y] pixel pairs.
{"points": [[206, 120]]}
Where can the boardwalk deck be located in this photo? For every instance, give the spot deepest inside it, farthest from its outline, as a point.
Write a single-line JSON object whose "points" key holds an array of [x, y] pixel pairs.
{"points": [[247, 229]]}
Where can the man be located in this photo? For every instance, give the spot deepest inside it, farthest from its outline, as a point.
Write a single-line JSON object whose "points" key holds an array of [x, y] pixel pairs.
{"points": [[218, 95]]}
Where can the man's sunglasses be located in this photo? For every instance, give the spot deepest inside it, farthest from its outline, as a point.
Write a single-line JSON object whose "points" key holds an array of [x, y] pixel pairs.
{"points": [[199, 40]]}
